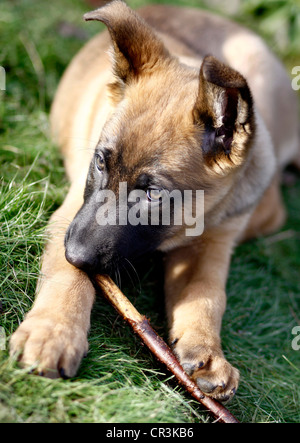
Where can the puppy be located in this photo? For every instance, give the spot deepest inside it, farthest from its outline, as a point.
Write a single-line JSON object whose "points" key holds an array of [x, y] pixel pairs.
{"points": [[168, 100]]}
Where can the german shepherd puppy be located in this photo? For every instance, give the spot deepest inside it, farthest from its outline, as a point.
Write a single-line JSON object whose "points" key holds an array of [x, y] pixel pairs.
{"points": [[170, 99]]}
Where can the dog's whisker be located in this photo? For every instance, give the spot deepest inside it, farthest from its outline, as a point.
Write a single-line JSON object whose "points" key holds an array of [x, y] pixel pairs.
{"points": [[118, 276], [135, 273]]}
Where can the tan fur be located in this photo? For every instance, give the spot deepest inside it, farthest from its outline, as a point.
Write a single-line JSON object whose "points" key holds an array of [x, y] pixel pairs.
{"points": [[170, 104]]}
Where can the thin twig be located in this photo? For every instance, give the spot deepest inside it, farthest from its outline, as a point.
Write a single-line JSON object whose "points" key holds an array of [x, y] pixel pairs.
{"points": [[160, 349]]}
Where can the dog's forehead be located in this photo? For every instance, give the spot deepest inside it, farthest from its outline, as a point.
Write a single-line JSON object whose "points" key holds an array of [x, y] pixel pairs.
{"points": [[168, 159], [156, 117], [152, 128]]}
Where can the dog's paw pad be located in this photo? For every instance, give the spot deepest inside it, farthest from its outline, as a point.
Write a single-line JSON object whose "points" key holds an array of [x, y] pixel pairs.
{"points": [[191, 368], [51, 349], [206, 386], [209, 369]]}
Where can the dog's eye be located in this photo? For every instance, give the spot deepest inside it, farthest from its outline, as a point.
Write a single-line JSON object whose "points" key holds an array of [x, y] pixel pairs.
{"points": [[99, 162], [154, 195]]}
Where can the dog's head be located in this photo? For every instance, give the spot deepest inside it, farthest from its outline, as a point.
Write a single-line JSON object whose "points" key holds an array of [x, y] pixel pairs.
{"points": [[173, 129]]}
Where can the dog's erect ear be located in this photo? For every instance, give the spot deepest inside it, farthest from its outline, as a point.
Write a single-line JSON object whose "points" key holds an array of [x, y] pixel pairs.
{"points": [[224, 109], [136, 47]]}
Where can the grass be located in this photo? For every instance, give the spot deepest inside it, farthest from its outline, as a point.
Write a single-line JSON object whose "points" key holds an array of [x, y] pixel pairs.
{"points": [[119, 381]]}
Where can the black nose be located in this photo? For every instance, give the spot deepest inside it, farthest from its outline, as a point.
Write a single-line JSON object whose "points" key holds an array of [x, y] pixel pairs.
{"points": [[80, 258], [77, 250]]}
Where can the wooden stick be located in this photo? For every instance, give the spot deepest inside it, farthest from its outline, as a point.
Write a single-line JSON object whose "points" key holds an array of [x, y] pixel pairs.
{"points": [[160, 349]]}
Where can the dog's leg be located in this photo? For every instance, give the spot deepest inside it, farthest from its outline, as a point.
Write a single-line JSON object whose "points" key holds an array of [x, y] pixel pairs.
{"points": [[53, 335], [195, 300]]}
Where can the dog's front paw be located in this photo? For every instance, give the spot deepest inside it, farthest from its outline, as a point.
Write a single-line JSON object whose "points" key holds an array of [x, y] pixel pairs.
{"points": [[206, 365], [52, 347]]}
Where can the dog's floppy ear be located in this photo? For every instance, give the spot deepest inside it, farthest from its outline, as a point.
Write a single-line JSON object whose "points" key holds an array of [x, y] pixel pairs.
{"points": [[136, 47], [224, 109]]}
